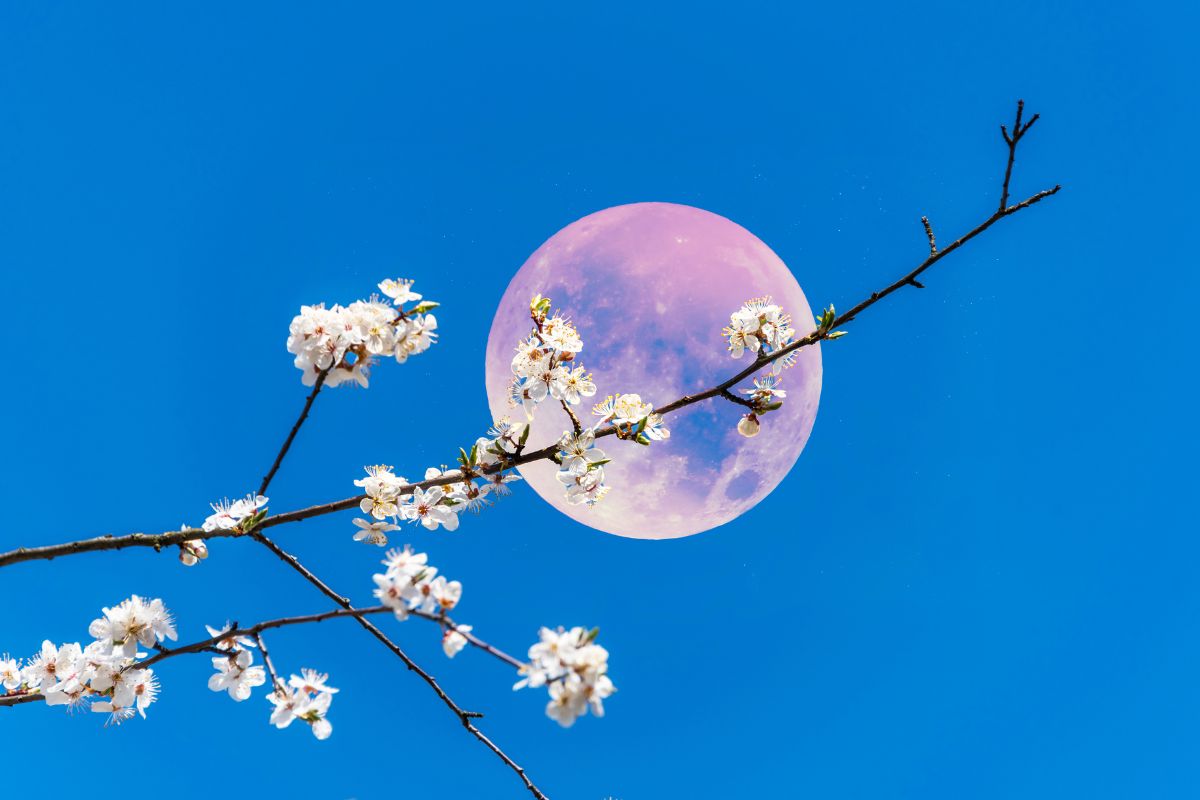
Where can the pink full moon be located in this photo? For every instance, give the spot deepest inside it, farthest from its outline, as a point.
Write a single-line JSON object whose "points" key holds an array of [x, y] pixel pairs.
{"points": [[649, 286]]}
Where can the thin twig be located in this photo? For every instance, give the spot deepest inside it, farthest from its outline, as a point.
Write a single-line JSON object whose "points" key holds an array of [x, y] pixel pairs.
{"points": [[158, 541], [575, 423], [733, 398], [1012, 140], [929, 235], [471, 638], [287, 443], [276, 684]]}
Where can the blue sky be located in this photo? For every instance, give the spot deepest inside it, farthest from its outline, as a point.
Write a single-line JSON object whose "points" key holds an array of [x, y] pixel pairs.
{"points": [[977, 581]]}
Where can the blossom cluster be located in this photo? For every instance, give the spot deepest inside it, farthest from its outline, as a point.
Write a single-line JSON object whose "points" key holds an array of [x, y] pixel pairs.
{"points": [[482, 475], [632, 418], [305, 697], [764, 397], [343, 342], [409, 583], [237, 515], [761, 327], [544, 364], [581, 467], [575, 670], [104, 675], [236, 673]]}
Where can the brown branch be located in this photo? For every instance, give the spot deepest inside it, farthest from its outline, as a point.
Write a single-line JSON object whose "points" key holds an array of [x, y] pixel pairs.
{"points": [[287, 443], [575, 423], [1012, 141], [929, 235], [276, 684], [19, 699], [158, 541], [731, 397], [256, 630], [471, 638], [463, 715]]}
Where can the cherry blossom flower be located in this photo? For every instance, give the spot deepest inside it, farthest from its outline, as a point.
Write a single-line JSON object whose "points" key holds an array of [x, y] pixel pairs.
{"points": [[235, 675], [498, 482], [232, 642], [343, 343], [399, 290], [573, 385], [444, 595], [228, 516], [578, 452], [374, 532], [10, 672], [134, 622], [427, 508], [453, 640], [573, 668], [761, 327], [311, 681]]}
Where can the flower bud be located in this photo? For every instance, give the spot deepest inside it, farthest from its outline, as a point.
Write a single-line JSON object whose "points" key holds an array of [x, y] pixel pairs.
{"points": [[192, 551], [748, 426]]}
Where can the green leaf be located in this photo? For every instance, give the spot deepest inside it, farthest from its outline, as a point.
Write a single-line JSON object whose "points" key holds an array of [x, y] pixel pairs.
{"points": [[424, 306], [591, 635], [642, 439]]}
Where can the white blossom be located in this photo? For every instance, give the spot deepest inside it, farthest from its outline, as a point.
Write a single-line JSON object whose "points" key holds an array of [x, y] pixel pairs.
{"points": [[311, 681], [409, 583], [578, 452], [231, 642], [228, 516], [453, 640], [105, 673], [544, 362], [442, 595], [10, 672], [428, 508], [382, 488], [498, 482], [759, 326], [573, 385], [134, 622], [575, 671], [235, 675], [399, 290], [294, 701], [343, 343], [374, 532]]}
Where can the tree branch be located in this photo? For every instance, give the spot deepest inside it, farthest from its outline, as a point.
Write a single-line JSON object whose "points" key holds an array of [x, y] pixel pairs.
{"points": [[158, 541], [255, 631], [276, 684], [287, 443]]}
